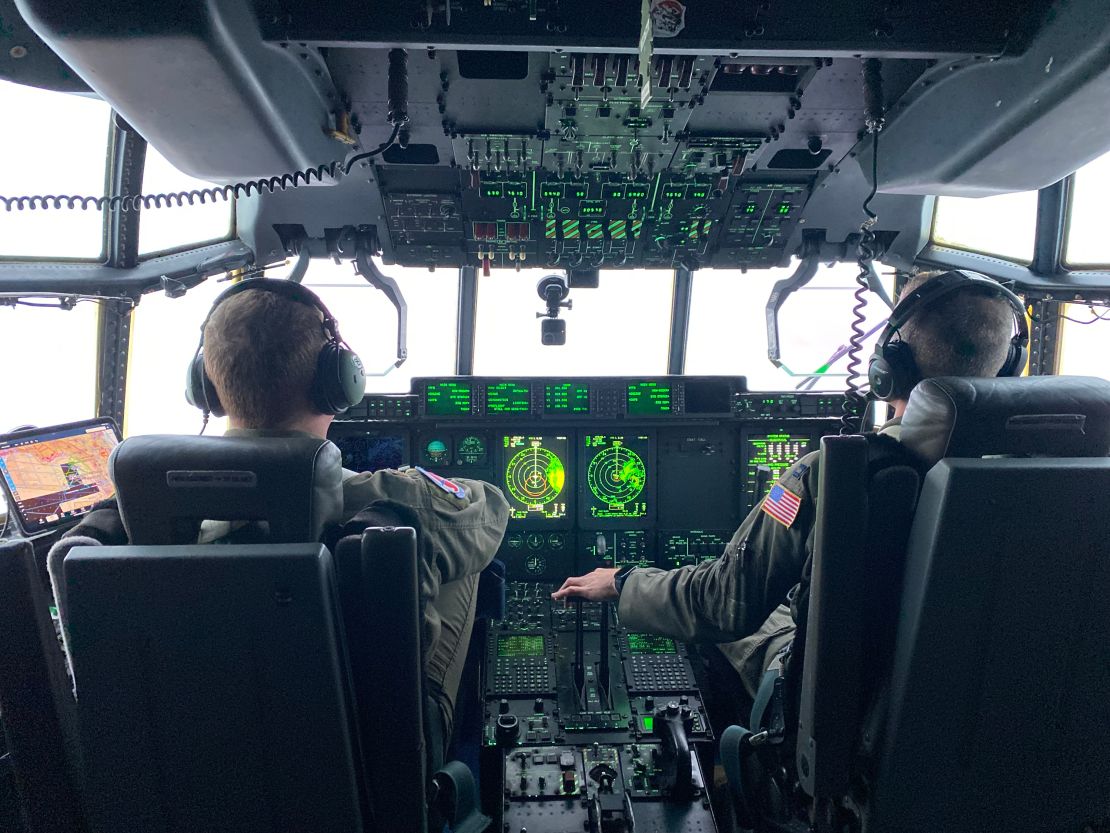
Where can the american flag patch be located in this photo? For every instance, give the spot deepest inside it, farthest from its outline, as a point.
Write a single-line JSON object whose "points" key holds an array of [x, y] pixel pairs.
{"points": [[782, 505]]}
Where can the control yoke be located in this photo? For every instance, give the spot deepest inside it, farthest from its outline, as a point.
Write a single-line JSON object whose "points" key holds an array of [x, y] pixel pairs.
{"points": [[374, 276]]}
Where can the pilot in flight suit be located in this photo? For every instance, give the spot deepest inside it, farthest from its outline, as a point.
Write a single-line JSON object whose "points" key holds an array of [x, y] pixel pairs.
{"points": [[741, 592], [750, 599]]}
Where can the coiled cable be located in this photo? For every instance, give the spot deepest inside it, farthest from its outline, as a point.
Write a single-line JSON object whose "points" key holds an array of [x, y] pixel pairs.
{"points": [[200, 196], [854, 395]]}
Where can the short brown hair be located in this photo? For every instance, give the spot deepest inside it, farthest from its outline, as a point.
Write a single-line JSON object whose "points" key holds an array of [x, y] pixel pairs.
{"points": [[967, 333], [260, 351]]}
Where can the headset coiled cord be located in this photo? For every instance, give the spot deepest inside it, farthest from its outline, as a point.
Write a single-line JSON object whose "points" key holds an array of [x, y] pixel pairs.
{"points": [[854, 396], [200, 196]]}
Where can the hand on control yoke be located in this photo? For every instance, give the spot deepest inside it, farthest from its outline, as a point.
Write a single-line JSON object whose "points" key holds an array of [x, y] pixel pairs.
{"points": [[597, 586]]}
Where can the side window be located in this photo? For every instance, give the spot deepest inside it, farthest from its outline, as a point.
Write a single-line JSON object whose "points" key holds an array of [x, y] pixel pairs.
{"points": [[1088, 243], [1085, 341], [1003, 225], [164, 336], [175, 227], [50, 357], [728, 331], [40, 160], [622, 327]]}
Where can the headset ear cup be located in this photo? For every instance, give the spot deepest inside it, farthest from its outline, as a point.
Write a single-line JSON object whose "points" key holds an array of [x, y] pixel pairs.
{"points": [[199, 390], [1015, 359], [880, 377], [892, 371], [352, 377], [340, 380]]}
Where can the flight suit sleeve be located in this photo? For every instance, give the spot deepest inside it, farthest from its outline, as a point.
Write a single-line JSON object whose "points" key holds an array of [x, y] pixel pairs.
{"points": [[730, 597], [456, 536]]}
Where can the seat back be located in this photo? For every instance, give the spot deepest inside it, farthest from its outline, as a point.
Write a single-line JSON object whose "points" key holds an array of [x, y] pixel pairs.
{"points": [[289, 487], [212, 680], [999, 717], [35, 698], [213, 689], [378, 583], [857, 563]]}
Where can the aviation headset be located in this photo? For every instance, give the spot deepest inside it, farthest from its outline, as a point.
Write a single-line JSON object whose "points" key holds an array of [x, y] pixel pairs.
{"points": [[339, 382], [892, 371]]}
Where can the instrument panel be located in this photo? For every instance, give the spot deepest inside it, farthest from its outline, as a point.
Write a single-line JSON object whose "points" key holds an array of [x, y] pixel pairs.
{"points": [[598, 471]]}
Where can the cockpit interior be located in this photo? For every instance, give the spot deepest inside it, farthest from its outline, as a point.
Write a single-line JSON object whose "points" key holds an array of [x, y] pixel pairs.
{"points": [[623, 265]]}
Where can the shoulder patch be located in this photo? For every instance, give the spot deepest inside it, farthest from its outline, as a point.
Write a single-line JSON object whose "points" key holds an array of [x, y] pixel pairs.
{"points": [[782, 505], [449, 486], [798, 470]]}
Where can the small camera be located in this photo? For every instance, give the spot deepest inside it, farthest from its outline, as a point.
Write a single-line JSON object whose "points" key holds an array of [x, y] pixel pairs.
{"points": [[553, 332]]}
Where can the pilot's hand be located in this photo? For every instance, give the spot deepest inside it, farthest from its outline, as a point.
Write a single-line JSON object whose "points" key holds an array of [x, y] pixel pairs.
{"points": [[597, 586]]}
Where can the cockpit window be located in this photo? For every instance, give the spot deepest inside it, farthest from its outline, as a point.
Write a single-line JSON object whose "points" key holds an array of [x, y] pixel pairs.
{"points": [[368, 321], [54, 143], [164, 229], [728, 330], [1003, 225], [51, 356], [621, 327], [164, 336], [1088, 243], [1085, 341]]}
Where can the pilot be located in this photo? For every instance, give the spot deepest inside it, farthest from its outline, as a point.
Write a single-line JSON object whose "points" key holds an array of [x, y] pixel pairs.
{"points": [[260, 352], [748, 599]]}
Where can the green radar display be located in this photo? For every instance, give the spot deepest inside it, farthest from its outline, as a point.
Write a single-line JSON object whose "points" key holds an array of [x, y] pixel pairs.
{"points": [[536, 477], [616, 475]]}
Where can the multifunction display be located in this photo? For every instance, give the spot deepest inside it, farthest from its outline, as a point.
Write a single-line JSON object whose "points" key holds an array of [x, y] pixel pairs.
{"points": [[449, 398], [536, 476], [566, 398], [616, 468], [649, 399]]}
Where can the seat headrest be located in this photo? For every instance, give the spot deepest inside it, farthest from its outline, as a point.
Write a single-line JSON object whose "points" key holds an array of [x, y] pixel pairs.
{"points": [[1036, 416], [167, 484]]}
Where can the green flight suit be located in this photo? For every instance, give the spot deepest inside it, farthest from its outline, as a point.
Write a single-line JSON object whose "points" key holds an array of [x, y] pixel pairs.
{"points": [[740, 599]]}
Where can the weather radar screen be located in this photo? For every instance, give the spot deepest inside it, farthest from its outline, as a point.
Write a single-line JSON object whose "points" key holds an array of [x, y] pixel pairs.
{"points": [[536, 477], [616, 476]]}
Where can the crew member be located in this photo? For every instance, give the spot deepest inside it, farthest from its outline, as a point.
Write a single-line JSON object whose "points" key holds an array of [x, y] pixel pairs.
{"points": [[966, 331], [261, 350]]}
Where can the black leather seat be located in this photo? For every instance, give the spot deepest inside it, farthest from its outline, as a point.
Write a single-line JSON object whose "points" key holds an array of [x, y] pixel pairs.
{"points": [[220, 685], [955, 664]]}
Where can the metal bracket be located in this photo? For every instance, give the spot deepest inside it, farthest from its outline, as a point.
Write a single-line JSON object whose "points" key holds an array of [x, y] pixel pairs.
{"points": [[807, 268], [374, 276]]}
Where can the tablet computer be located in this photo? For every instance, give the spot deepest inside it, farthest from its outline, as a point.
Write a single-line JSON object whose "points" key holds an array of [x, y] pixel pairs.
{"points": [[51, 476]]}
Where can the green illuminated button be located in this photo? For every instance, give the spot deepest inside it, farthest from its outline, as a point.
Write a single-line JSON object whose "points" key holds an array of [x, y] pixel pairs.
{"points": [[647, 723]]}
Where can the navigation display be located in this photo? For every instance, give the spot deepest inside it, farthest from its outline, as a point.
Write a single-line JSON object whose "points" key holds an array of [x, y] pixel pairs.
{"points": [[509, 398], [566, 398], [371, 453], [52, 475], [616, 476], [649, 398], [774, 454], [448, 398], [536, 477]]}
